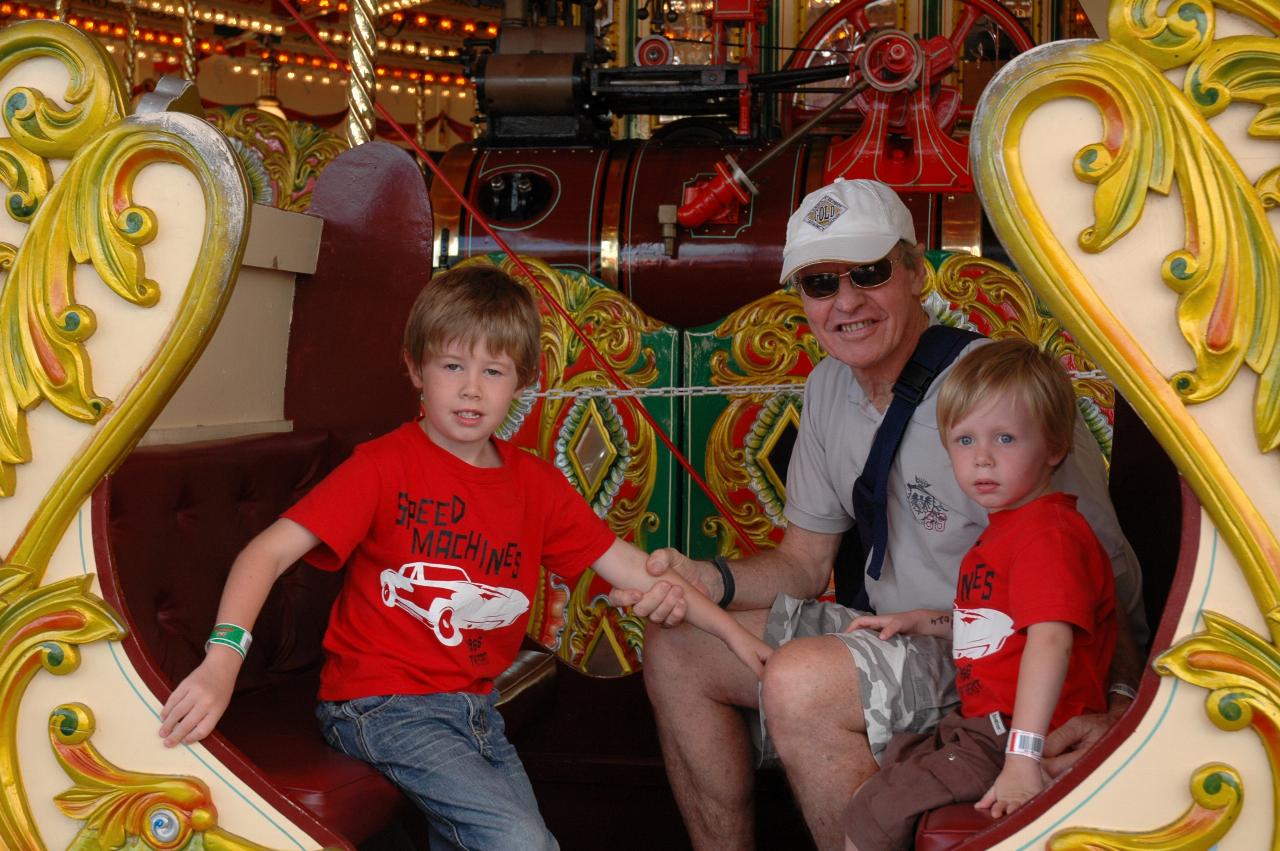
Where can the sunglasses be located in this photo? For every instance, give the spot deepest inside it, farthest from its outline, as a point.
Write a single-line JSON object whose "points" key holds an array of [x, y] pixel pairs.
{"points": [[865, 276]]}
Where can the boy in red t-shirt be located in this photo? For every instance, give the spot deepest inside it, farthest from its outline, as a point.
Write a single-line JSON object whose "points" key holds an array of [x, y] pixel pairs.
{"points": [[1033, 627], [442, 529]]}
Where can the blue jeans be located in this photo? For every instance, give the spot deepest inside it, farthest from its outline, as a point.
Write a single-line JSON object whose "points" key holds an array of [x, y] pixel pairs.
{"points": [[449, 753]]}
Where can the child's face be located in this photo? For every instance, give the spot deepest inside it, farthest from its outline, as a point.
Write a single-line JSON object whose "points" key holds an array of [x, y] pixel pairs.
{"points": [[465, 397], [999, 455]]}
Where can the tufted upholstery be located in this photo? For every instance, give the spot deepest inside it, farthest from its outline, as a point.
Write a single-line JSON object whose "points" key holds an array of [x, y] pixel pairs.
{"points": [[176, 516]]}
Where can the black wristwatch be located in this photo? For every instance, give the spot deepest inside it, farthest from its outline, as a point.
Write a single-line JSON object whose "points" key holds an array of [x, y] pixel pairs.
{"points": [[726, 579]]}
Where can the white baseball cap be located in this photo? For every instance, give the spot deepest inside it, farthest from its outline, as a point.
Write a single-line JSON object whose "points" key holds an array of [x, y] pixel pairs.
{"points": [[849, 221]]}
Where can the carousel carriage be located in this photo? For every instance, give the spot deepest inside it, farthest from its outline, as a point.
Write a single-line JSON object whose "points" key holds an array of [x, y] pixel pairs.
{"points": [[169, 386]]}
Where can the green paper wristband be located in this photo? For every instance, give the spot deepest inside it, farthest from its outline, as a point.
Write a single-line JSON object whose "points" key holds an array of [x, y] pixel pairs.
{"points": [[224, 643], [230, 635]]}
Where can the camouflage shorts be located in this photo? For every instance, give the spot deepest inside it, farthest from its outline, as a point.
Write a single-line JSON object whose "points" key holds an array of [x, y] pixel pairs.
{"points": [[907, 683]]}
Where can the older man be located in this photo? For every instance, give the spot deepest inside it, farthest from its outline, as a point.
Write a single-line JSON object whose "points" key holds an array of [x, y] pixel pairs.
{"points": [[830, 700]]}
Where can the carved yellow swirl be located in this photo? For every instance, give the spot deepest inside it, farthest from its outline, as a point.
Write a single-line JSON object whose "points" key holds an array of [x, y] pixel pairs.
{"points": [[89, 217], [1241, 671], [130, 809], [95, 95], [1217, 793], [768, 339], [41, 628], [293, 153], [765, 342]]}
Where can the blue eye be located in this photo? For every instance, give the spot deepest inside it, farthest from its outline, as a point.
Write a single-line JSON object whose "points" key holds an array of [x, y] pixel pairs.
{"points": [[964, 440], [1005, 438]]}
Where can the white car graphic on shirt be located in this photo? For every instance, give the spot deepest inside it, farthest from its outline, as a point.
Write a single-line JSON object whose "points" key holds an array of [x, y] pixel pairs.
{"points": [[444, 598], [979, 632]]}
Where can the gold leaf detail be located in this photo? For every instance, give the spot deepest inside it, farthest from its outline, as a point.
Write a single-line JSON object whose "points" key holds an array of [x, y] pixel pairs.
{"points": [[1217, 793]]}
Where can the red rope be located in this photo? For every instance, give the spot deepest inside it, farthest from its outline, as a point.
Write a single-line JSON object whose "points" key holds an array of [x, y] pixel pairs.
{"points": [[747, 544]]}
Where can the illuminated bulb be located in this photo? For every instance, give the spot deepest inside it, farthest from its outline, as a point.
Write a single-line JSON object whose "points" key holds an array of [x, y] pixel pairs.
{"points": [[253, 72], [395, 88], [291, 75], [307, 78], [236, 69], [324, 80], [111, 48]]}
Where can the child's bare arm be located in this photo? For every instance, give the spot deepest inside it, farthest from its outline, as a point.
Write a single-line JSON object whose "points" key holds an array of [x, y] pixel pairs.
{"points": [[623, 566], [1040, 676], [915, 622], [195, 706]]}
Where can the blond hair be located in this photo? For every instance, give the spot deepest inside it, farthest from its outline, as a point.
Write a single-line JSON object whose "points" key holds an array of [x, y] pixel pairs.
{"points": [[476, 304], [1015, 370]]}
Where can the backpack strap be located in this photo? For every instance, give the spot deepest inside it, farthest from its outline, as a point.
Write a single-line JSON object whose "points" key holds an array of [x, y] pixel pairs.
{"points": [[937, 348]]}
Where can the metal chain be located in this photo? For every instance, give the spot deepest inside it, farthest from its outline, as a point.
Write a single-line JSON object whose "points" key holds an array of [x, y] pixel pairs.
{"points": [[668, 392], [705, 390]]}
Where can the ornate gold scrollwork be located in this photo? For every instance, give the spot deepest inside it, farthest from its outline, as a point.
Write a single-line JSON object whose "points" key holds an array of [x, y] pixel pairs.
{"points": [[95, 94], [281, 158], [41, 627], [1217, 794], [130, 809], [769, 343], [1241, 670], [90, 217]]}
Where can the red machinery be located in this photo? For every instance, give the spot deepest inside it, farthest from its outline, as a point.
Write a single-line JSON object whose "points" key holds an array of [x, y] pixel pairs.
{"points": [[611, 208]]}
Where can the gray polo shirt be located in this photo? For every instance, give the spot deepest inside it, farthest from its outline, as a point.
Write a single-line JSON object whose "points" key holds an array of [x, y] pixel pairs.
{"points": [[932, 524]]}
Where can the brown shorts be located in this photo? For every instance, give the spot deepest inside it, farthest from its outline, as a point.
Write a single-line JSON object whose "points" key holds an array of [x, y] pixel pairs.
{"points": [[957, 762]]}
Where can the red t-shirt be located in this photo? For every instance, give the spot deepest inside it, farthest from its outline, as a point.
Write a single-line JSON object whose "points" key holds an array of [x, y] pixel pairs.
{"points": [[1040, 562], [442, 562]]}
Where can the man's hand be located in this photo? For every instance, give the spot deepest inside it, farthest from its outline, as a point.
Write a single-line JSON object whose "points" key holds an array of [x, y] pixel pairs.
{"points": [[1019, 781], [1065, 745], [664, 603]]}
